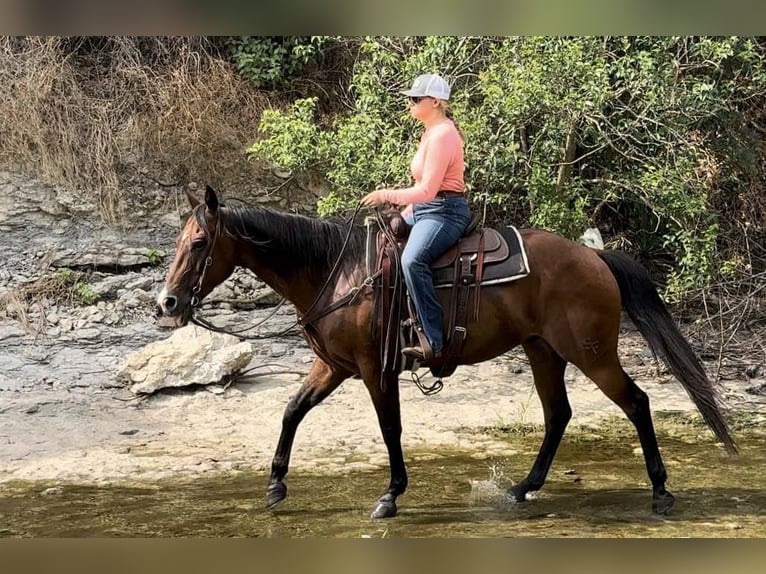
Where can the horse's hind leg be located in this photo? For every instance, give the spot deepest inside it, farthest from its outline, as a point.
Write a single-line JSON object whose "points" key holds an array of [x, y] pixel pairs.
{"points": [[619, 387], [320, 382], [389, 417], [548, 370]]}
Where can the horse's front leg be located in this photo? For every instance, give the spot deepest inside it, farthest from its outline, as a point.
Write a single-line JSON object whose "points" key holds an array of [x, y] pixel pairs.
{"points": [[390, 420], [320, 382]]}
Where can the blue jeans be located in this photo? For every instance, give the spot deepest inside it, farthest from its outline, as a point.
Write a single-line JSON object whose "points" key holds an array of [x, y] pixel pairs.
{"points": [[439, 223]]}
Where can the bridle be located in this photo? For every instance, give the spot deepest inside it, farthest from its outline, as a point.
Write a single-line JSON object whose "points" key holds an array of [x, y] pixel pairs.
{"points": [[195, 300]]}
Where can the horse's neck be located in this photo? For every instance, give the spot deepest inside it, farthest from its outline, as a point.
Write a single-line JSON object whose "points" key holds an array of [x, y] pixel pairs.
{"points": [[299, 293], [295, 270]]}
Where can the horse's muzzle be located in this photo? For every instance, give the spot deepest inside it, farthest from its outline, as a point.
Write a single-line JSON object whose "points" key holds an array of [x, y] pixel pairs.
{"points": [[168, 305], [168, 310]]}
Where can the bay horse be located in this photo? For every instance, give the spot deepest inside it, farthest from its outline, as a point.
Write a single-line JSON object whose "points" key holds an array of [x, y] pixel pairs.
{"points": [[567, 310]]}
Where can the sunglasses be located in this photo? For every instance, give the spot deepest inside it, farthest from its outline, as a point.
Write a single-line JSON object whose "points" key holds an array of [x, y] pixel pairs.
{"points": [[417, 99]]}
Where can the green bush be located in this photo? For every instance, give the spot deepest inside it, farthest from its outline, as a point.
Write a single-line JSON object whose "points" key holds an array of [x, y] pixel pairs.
{"points": [[269, 61], [633, 134]]}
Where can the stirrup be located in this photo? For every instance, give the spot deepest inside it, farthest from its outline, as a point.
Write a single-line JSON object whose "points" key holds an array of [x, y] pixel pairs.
{"points": [[421, 354]]}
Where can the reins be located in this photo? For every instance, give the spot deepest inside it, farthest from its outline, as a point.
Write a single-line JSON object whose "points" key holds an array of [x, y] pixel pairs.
{"points": [[197, 320], [390, 325], [310, 316]]}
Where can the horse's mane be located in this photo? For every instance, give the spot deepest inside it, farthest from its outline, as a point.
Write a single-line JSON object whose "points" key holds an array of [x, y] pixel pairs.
{"points": [[290, 243]]}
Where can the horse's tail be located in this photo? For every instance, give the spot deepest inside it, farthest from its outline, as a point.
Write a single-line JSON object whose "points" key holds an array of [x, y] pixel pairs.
{"points": [[643, 305]]}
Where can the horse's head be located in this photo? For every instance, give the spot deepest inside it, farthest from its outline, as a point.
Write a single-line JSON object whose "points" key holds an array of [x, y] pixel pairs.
{"points": [[203, 259]]}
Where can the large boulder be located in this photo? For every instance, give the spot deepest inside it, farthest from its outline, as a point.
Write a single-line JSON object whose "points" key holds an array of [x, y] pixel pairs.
{"points": [[190, 356]]}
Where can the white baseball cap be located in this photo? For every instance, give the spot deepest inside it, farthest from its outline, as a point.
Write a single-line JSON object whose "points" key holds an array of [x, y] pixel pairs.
{"points": [[431, 85]]}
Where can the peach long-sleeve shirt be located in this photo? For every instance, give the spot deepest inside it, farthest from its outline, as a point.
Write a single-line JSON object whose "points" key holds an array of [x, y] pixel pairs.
{"points": [[437, 166]]}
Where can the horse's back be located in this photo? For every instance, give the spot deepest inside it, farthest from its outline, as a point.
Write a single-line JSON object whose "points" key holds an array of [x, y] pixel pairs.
{"points": [[577, 298], [562, 260]]}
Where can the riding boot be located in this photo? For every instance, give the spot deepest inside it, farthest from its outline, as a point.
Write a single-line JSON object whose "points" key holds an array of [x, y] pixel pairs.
{"points": [[423, 351]]}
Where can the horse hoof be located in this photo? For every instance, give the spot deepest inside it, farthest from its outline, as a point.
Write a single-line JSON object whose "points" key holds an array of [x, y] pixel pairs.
{"points": [[519, 493], [384, 509], [662, 503], [275, 493]]}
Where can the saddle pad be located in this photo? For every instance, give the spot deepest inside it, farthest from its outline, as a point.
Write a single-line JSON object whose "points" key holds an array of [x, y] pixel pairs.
{"points": [[512, 268]]}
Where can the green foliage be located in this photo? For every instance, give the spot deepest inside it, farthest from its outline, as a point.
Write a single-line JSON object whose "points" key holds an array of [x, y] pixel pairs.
{"points": [[71, 285], [293, 139], [269, 61], [83, 293], [154, 256], [636, 135]]}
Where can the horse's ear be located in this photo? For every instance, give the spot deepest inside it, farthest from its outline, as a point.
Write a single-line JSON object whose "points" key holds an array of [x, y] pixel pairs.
{"points": [[192, 198], [211, 200]]}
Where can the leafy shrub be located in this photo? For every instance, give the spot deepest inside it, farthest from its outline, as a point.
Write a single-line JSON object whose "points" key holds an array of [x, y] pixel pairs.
{"points": [[269, 61], [627, 133]]}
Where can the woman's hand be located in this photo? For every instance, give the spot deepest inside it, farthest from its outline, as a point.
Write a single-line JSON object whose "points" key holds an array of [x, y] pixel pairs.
{"points": [[374, 198]]}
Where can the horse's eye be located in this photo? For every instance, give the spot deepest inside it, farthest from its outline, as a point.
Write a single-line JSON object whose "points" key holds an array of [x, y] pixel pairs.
{"points": [[198, 244]]}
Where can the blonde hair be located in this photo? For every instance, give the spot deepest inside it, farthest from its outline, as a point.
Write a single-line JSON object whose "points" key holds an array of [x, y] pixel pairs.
{"points": [[446, 109]]}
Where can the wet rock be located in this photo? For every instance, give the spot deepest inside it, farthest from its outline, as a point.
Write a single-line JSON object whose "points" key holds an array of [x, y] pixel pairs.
{"points": [[52, 491], [190, 356]]}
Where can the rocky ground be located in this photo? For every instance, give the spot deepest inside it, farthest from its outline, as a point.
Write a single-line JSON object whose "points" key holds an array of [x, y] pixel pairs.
{"points": [[64, 416]]}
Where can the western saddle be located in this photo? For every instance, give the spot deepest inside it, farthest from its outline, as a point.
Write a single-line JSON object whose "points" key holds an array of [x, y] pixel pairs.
{"points": [[461, 268]]}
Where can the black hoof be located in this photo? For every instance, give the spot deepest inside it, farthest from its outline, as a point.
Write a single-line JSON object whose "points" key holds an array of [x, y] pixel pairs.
{"points": [[275, 493], [662, 503], [519, 492], [384, 509]]}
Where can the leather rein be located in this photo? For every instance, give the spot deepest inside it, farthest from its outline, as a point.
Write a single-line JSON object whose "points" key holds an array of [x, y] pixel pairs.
{"points": [[311, 315]]}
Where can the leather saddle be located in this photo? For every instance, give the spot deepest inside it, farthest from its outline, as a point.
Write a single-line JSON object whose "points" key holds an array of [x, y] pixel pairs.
{"points": [[482, 256]]}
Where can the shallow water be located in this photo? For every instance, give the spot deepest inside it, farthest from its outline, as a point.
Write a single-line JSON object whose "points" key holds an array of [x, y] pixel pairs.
{"points": [[597, 487]]}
